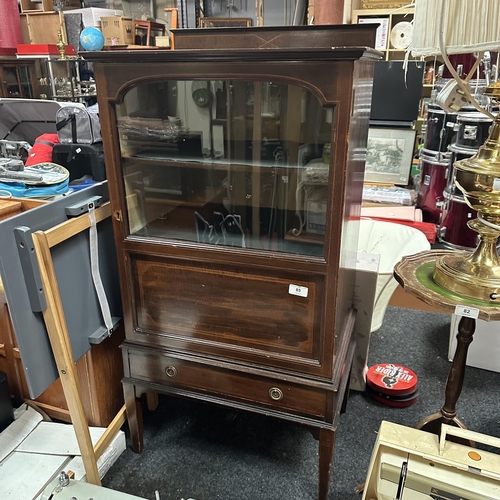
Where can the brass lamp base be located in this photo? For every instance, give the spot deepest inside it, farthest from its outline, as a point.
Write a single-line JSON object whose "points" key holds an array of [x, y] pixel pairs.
{"points": [[474, 275]]}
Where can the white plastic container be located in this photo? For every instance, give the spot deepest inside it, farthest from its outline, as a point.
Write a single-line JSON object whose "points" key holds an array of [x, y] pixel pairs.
{"points": [[392, 242]]}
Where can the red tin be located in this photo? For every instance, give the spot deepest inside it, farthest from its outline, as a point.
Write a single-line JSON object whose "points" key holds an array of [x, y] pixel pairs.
{"points": [[392, 380]]}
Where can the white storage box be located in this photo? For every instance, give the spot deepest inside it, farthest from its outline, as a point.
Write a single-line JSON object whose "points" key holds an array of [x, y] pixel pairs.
{"points": [[91, 16], [484, 351], [392, 242]]}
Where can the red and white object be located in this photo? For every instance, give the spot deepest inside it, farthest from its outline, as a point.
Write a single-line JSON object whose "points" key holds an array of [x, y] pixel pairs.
{"points": [[41, 152], [391, 384], [42, 49]]}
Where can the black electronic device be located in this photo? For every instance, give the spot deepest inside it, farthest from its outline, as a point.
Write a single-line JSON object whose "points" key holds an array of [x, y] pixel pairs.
{"points": [[397, 92], [80, 160]]}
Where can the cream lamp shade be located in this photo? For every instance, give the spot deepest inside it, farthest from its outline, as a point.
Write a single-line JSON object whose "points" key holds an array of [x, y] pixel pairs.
{"points": [[469, 26]]}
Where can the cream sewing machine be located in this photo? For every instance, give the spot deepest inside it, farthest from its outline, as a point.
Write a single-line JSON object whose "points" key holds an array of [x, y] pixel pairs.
{"points": [[409, 464]]}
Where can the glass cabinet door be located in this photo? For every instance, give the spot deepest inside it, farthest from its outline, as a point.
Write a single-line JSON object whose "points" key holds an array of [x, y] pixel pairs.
{"points": [[25, 81], [11, 81], [236, 163], [17, 81]]}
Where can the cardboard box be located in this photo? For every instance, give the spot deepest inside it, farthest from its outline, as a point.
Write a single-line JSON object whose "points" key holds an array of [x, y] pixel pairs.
{"points": [[162, 41], [117, 30], [484, 351], [42, 27], [91, 16]]}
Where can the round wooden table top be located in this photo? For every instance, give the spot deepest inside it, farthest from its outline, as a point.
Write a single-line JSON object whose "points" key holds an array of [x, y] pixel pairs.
{"points": [[414, 274]]}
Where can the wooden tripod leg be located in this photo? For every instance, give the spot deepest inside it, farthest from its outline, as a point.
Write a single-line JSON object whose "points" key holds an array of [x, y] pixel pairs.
{"points": [[455, 380], [58, 334]]}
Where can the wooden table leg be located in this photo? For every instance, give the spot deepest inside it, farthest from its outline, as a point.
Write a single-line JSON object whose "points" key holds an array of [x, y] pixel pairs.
{"points": [[454, 383], [326, 441], [134, 417]]}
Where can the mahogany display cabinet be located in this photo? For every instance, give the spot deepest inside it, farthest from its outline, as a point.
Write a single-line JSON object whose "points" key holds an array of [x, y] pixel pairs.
{"points": [[235, 179]]}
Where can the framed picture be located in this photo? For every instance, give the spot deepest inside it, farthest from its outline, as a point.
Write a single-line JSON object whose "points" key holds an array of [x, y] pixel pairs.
{"points": [[225, 22], [383, 4], [389, 155]]}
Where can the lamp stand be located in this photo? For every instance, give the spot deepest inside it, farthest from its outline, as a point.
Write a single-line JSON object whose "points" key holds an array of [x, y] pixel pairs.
{"points": [[475, 275]]}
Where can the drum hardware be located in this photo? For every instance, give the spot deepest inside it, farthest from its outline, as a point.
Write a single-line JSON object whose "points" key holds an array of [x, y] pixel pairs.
{"points": [[433, 156], [487, 67], [439, 203], [470, 132], [473, 129]]}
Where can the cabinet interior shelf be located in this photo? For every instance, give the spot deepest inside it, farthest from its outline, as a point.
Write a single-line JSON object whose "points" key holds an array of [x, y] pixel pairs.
{"points": [[305, 237], [219, 164], [209, 195]]}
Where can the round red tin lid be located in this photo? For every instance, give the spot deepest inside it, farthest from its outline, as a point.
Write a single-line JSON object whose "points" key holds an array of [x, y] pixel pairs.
{"points": [[392, 379]]}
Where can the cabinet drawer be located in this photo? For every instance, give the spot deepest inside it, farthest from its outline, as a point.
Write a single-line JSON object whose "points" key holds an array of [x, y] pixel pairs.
{"points": [[233, 385]]}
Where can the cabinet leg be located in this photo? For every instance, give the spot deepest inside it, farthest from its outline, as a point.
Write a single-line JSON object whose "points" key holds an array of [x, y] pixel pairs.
{"points": [[134, 417], [345, 399], [326, 441], [152, 400]]}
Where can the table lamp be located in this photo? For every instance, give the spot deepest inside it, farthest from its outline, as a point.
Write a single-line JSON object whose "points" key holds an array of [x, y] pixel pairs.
{"points": [[467, 26]]}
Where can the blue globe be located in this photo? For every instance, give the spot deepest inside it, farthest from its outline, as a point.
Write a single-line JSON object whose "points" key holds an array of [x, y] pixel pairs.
{"points": [[91, 39]]}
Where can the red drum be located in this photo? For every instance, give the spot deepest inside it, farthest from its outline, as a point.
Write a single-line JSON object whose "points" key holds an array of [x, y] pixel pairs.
{"points": [[453, 230], [433, 180], [473, 129], [457, 153]]}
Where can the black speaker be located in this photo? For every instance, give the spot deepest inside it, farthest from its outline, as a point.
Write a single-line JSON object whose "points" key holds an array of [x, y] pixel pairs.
{"points": [[397, 91], [6, 410]]}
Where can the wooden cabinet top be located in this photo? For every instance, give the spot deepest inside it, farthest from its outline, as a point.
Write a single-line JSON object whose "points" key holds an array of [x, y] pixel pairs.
{"points": [[255, 44]]}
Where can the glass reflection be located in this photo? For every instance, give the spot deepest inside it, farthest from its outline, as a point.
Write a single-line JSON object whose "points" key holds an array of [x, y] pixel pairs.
{"points": [[234, 163]]}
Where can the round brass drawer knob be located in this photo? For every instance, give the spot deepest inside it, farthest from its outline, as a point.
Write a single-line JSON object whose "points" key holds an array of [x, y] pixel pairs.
{"points": [[171, 371], [275, 393]]}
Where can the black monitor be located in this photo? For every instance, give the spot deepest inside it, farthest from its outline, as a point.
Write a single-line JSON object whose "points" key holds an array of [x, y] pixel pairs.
{"points": [[396, 97]]}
